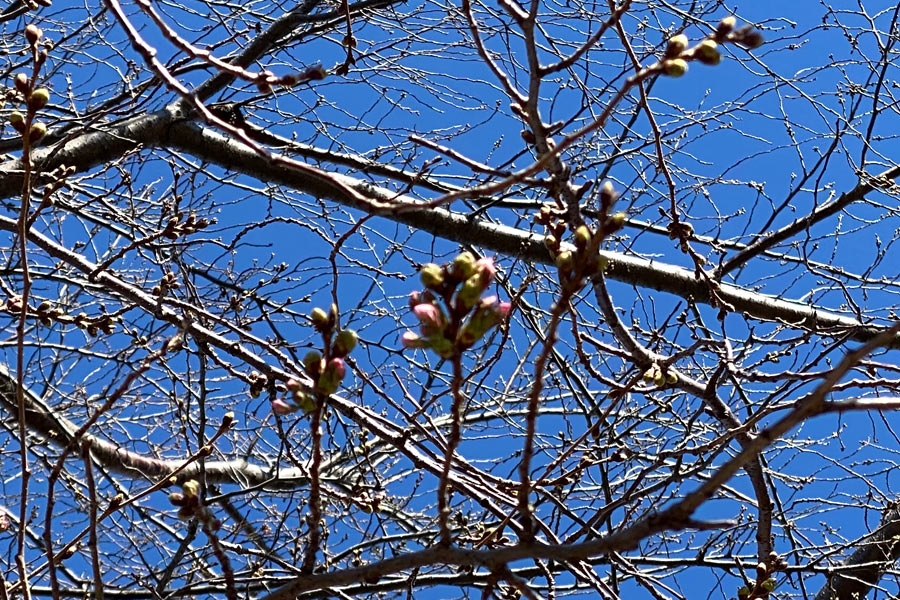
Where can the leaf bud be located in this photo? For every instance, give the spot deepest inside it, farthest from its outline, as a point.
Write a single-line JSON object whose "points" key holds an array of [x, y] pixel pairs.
{"points": [[674, 67]]}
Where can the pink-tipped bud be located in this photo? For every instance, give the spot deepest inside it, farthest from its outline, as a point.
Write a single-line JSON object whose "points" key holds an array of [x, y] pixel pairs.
{"points": [[429, 315], [293, 384], [486, 270], [280, 407], [415, 298], [412, 341]]}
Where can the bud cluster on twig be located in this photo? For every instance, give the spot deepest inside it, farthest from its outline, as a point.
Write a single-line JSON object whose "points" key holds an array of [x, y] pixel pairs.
{"points": [[176, 228], [33, 98], [677, 56], [47, 315], [765, 582], [190, 506], [581, 258], [451, 312], [326, 371]]}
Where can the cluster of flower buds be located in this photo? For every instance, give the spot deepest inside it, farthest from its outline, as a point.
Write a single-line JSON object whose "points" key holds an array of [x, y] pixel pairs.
{"points": [[655, 375], [47, 315], [34, 98], [677, 55], [168, 283], [765, 584], [326, 372], [190, 506], [580, 259], [176, 228], [258, 383], [451, 312]]}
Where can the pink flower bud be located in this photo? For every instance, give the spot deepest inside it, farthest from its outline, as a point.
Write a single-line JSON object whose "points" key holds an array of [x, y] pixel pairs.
{"points": [[412, 340], [292, 384], [430, 315], [503, 309], [486, 269], [280, 407], [415, 298]]}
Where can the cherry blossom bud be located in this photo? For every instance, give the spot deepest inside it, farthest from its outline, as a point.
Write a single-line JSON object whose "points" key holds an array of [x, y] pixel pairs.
{"points": [[21, 82], [486, 270], [414, 299], [280, 407], [190, 488], [33, 34], [345, 342], [331, 376], [39, 98], [312, 363], [708, 53], [726, 26], [463, 266], [319, 318], [411, 340], [677, 45], [675, 67], [293, 384], [432, 276], [430, 316], [470, 291]]}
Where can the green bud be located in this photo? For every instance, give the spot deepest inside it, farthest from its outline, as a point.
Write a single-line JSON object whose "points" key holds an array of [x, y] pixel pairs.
{"points": [[463, 266], [470, 291], [675, 67], [743, 591], [769, 584], [432, 275], [190, 488], [319, 318], [345, 342], [677, 45], [39, 98], [312, 363], [441, 346], [582, 236], [708, 53], [305, 402], [565, 261]]}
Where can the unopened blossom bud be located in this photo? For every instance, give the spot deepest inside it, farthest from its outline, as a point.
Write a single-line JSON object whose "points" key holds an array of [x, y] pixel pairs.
{"points": [[411, 340], [281, 407], [430, 315], [432, 276], [607, 194], [463, 266], [345, 342], [675, 67], [176, 499], [414, 299], [17, 120], [470, 291], [190, 488], [582, 236], [319, 318], [677, 45], [331, 376], [39, 98], [726, 26], [33, 34], [312, 363], [485, 269], [293, 384], [565, 261], [21, 82], [708, 53]]}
